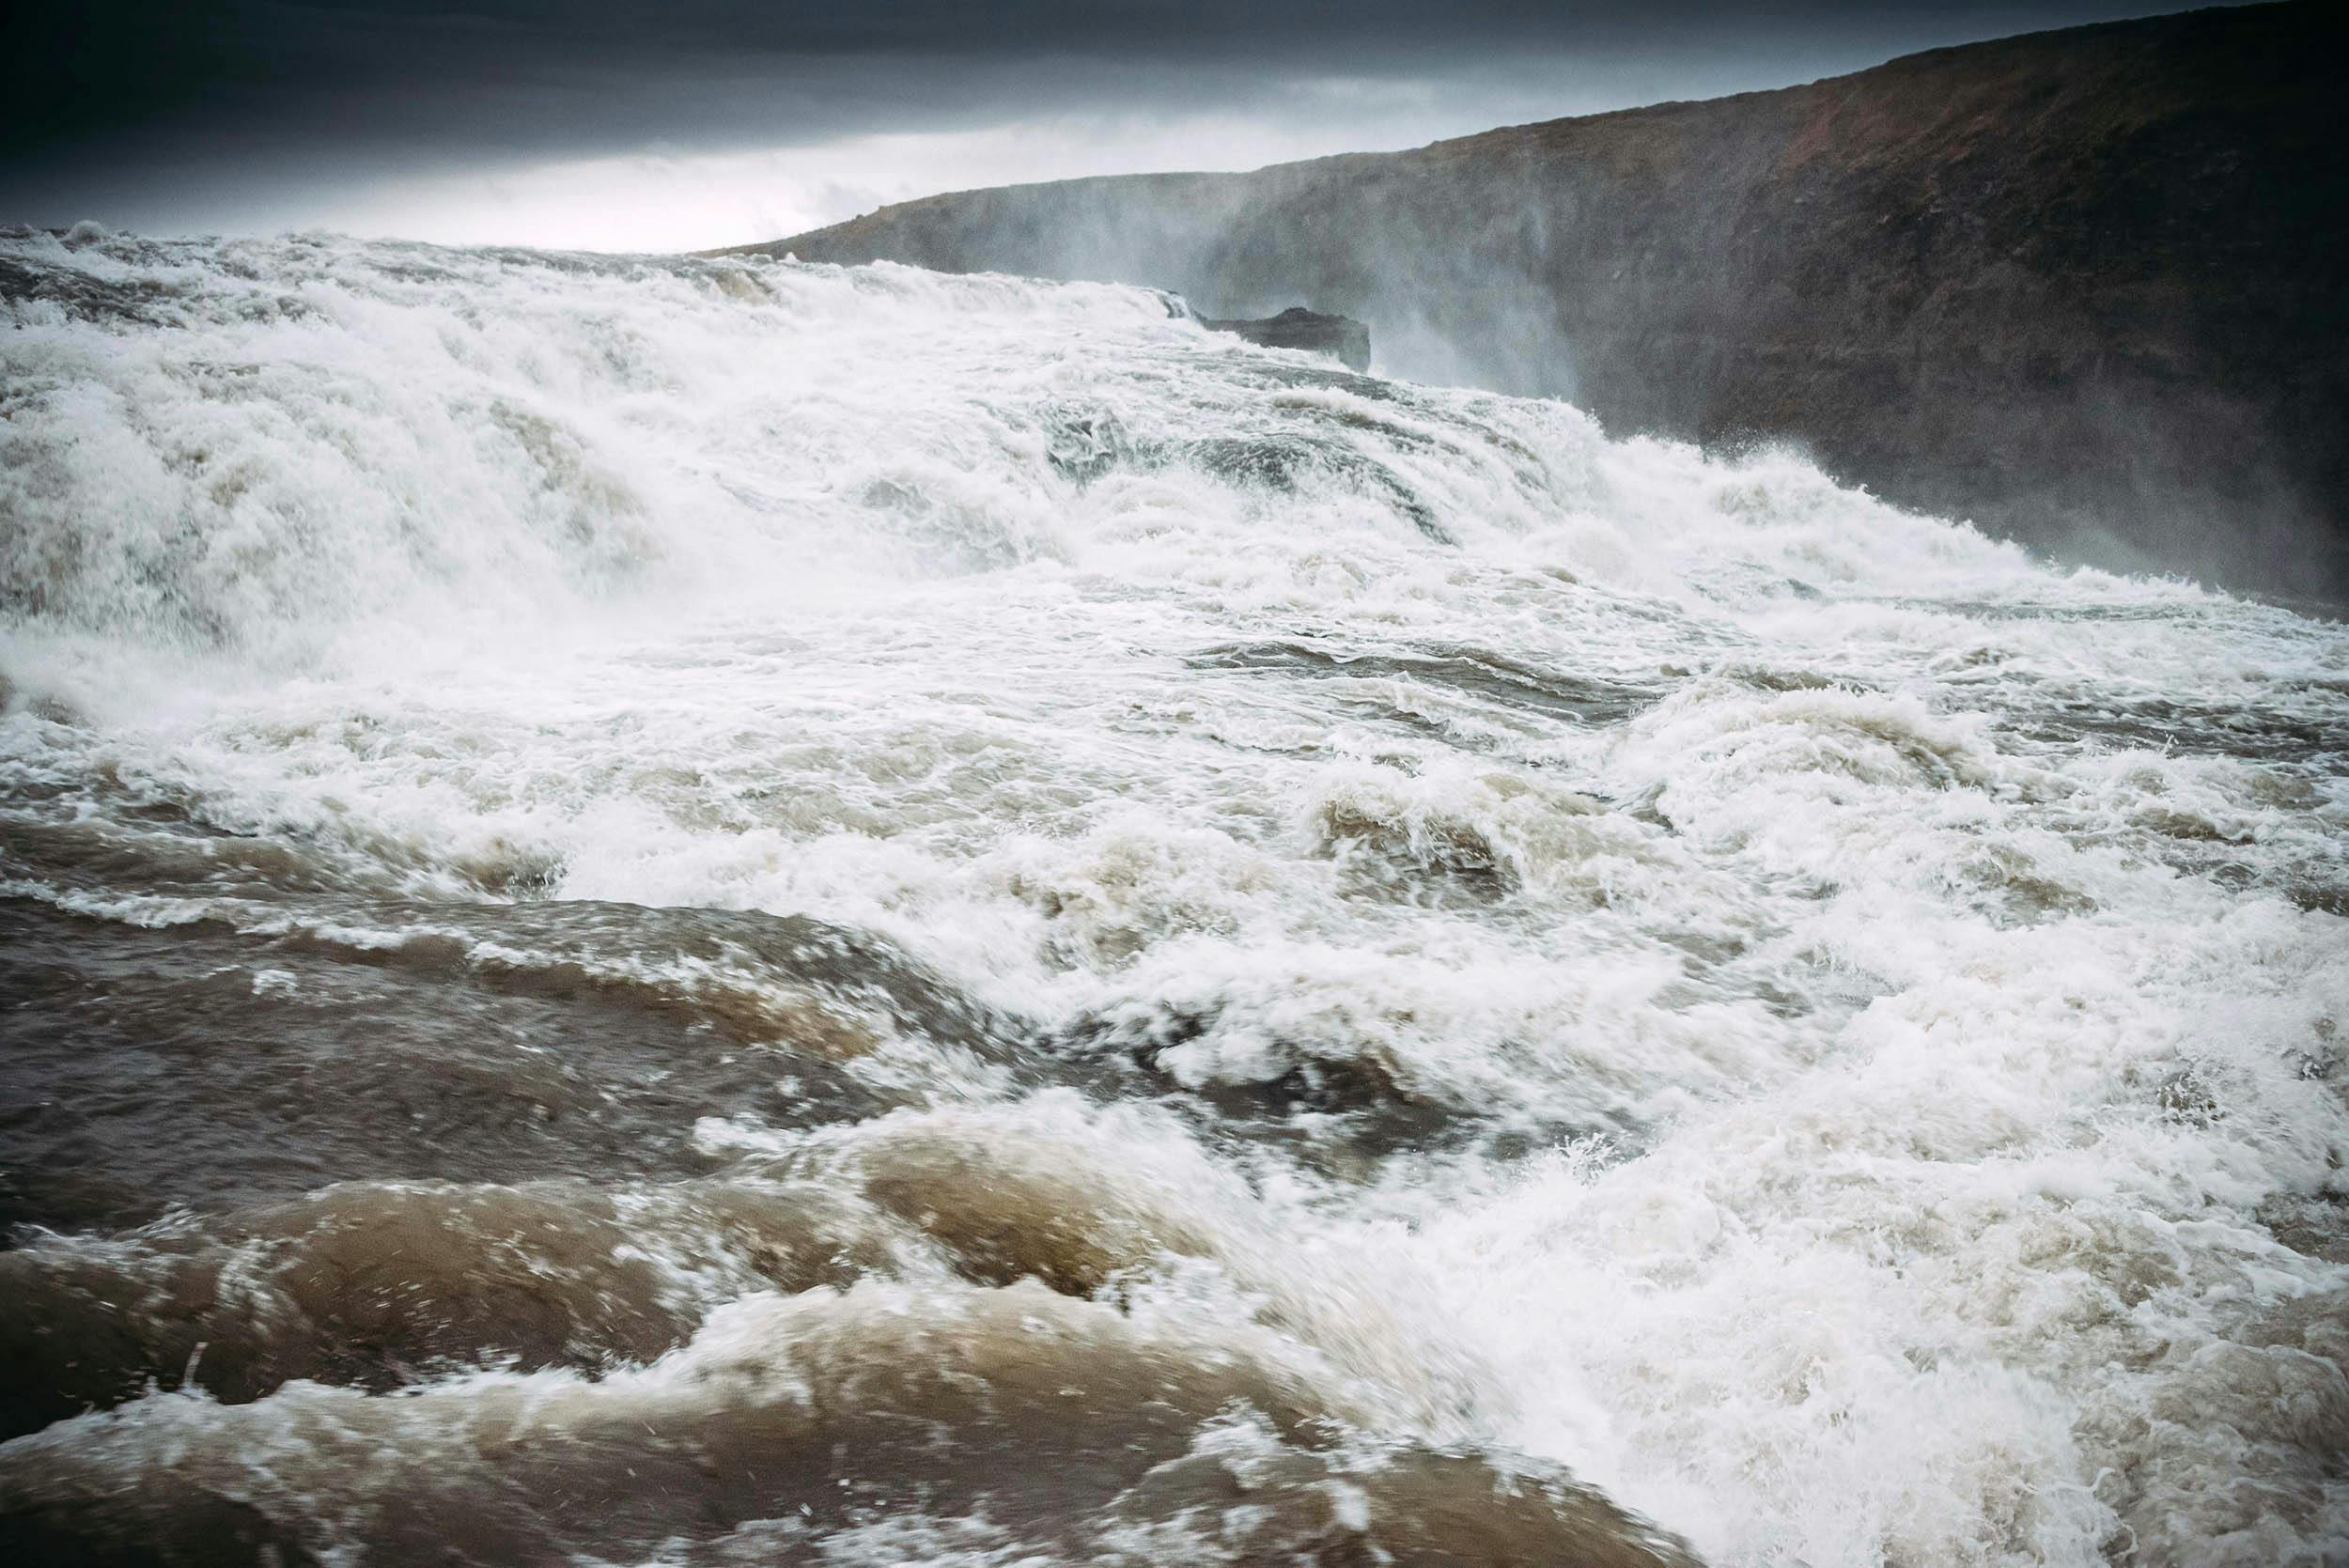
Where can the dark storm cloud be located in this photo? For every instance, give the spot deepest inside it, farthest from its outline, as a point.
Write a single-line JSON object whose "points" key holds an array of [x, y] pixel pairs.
{"points": [[525, 74], [244, 115]]}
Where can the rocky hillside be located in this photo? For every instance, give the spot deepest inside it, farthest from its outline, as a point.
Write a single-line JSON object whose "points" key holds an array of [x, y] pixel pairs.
{"points": [[2089, 287]]}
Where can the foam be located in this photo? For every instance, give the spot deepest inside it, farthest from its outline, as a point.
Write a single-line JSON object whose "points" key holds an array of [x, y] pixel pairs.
{"points": [[1822, 1024]]}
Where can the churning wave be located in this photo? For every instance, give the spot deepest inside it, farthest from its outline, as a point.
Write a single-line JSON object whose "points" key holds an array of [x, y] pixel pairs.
{"points": [[715, 910]]}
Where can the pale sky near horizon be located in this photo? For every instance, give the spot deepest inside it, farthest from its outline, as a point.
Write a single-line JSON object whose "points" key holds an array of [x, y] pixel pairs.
{"points": [[610, 126]]}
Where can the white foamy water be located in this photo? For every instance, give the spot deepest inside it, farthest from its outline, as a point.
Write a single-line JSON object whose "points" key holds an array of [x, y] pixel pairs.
{"points": [[1827, 1028]]}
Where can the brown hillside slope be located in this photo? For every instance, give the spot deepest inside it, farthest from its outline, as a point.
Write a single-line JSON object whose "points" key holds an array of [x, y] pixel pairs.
{"points": [[2089, 287]]}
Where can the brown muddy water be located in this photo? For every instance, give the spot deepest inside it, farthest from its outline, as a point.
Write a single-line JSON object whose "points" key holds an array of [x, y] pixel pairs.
{"points": [[703, 913]]}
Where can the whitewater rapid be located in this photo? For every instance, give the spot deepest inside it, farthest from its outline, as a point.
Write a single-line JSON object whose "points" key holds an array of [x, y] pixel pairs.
{"points": [[704, 911]]}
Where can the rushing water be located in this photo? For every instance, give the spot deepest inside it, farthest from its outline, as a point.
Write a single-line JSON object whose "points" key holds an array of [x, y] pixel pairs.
{"points": [[718, 911]]}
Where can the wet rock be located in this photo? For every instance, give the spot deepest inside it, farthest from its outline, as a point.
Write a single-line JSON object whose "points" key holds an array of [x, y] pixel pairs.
{"points": [[1341, 338]]}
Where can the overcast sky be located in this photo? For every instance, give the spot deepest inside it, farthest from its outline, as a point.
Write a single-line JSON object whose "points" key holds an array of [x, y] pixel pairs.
{"points": [[674, 124]]}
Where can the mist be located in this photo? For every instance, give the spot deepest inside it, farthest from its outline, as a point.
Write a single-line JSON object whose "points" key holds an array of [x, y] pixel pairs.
{"points": [[735, 828], [1988, 316]]}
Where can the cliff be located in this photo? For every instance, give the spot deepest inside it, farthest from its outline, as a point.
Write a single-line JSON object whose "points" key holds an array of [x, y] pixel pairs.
{"points": [[2087, 288]]}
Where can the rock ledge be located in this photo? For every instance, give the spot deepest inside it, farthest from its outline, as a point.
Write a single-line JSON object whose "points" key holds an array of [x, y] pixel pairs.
{"points": [[1341, 338]]}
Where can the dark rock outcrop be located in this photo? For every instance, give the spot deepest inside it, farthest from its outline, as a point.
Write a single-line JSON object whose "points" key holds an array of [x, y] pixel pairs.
{"points": [[2087, 288], [1341, 338]]}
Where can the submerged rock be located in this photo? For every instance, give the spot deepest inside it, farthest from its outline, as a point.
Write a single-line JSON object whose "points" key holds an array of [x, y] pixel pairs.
{"points": [[1341, 338]]}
